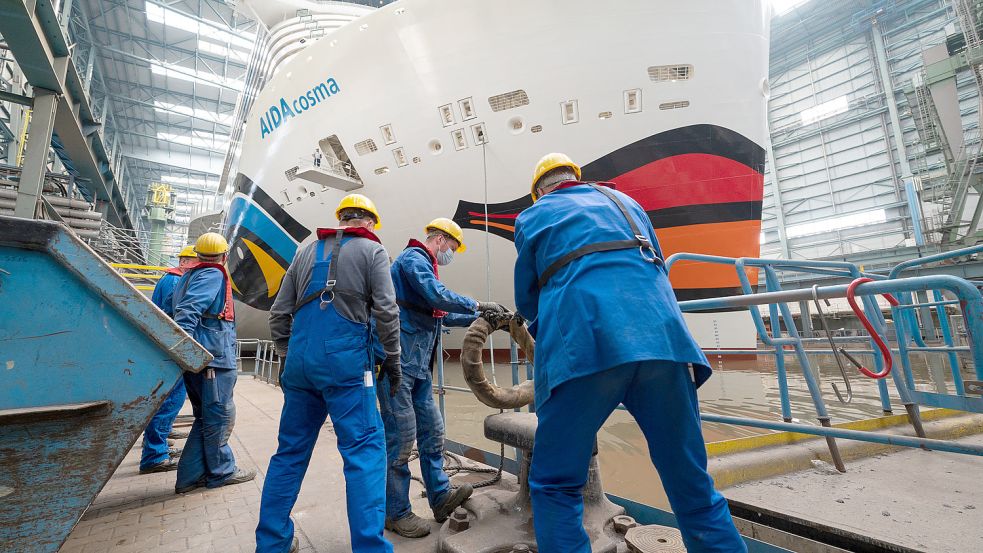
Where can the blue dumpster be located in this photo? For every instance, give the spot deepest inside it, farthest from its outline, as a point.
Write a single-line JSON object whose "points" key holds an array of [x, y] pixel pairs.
{"points": [[85, 361]]}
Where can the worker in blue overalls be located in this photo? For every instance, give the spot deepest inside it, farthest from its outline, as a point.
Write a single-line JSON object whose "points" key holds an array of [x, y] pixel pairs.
{"points": [[590, 279], [157, 455], [425, 305], [203, 309], [320, 322]]}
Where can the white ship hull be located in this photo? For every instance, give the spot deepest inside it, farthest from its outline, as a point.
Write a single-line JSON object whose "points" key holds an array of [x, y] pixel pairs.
{"points": [[669, 102]]}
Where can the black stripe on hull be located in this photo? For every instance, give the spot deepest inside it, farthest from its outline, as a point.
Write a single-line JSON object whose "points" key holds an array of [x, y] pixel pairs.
{"points": [[705, 214], [463, 215], [244, 185], [694, 139], [247, 274]]}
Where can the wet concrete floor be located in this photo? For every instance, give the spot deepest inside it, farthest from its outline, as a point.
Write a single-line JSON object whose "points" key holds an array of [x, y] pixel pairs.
{"points": [[141, 513]]}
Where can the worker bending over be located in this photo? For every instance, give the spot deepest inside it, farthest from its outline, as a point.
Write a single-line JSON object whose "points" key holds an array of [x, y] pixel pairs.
{"points": [[590, 278], [425, 306], [320, 322], [157, 456], [203, 309]]}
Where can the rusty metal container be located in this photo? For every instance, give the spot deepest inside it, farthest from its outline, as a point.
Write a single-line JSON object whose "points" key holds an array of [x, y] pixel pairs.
{"points": [[85, 361]]}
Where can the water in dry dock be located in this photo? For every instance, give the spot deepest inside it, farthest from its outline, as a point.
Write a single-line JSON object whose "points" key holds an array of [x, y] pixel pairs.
{"points": [[739, 387]]}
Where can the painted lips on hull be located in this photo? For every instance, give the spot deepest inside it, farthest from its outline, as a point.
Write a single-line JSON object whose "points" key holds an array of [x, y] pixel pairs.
{"points": [[702, 186]]}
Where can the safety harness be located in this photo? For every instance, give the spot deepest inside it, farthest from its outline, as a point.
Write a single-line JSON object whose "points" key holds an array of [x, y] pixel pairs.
{"points": [[415, 307], [228, 312], [639, 241], [327, 293]]}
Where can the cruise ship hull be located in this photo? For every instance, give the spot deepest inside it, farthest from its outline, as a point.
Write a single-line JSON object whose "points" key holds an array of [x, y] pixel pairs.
{"points": [[442, 109]]}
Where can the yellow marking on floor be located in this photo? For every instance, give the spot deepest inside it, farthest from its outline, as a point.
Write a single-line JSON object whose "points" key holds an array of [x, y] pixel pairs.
{"points": [[737, 445]]}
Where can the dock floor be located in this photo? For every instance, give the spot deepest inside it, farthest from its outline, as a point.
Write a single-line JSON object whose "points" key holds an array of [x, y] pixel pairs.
{"points": [[924, 500], [141, 513]]}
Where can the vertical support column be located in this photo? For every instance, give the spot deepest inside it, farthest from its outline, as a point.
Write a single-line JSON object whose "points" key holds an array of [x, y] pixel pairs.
{"points": [[36, 154], [805, 315], [925, 316], [914, 205], [776, 191]]}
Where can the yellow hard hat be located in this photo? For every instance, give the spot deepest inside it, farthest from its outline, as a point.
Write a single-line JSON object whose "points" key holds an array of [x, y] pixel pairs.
{"points": [[211, 243], [444, 224], [549, 162], [361, 202], [188, 251]]}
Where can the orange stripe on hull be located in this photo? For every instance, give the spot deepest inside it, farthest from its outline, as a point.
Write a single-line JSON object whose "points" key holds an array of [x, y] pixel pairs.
{"points": [[509, 228], [732, 239]]}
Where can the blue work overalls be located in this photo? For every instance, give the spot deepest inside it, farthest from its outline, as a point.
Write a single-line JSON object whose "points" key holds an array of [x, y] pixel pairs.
{"points": [[328, 371], [412, 415], [199, 304], [155, 449], [609, 331]]}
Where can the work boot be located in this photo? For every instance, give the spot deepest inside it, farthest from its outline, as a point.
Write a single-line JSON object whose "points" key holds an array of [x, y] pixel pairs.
{"points": [[163, 466], [185, 489], [177, 434], [238, 477], [410, 526], [295, 545], [175, 452], [454, 499]]}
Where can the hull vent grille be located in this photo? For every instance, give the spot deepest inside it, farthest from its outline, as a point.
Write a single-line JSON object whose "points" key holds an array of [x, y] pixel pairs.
{"points": [[509, 100]]}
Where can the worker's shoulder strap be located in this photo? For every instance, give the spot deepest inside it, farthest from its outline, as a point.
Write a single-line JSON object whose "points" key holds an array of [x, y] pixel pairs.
{"points": [[327, 293], [639, 241]]}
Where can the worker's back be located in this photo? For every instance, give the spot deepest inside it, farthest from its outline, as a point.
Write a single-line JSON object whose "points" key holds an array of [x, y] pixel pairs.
{"points": [[603, 309]]}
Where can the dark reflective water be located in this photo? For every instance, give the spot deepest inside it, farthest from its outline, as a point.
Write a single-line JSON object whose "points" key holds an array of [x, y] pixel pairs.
{"points": [[742, 388]]}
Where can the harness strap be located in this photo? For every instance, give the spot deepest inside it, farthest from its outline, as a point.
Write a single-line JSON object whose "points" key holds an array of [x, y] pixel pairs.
{"points": [[640, 241], [332, 280]]}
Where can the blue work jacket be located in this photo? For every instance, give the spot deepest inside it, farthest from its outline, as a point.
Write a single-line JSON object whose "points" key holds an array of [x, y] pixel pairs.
{"points": [[419, 292], [202, 292], [163, 296], [604, 309]]}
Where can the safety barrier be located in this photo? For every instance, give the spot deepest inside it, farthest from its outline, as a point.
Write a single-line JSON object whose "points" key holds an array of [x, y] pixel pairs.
{"points": [[784, 335], [142, 277], [265, 362]]}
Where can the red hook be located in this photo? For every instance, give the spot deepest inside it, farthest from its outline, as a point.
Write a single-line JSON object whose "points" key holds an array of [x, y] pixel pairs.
{"points": [[888, 361]]}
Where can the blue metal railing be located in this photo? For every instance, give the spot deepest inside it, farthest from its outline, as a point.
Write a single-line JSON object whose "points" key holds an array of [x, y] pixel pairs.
{"points": [[966, 295]]}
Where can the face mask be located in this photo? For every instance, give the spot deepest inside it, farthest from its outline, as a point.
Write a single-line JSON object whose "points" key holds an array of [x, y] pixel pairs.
{"points": [[445, 257]]}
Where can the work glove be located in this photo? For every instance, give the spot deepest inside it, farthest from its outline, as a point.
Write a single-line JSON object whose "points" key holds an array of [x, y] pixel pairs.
{"points": [[390, 367], [490, 307], [494, 313]]}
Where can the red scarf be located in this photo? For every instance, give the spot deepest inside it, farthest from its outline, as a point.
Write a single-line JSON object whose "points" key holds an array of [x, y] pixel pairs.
{"points": [[360, 232], [228, 313], [414, 243]]}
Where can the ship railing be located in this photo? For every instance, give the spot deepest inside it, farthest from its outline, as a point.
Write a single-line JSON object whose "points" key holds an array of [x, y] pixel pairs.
{"points": [[258, 358], [785, 338]]}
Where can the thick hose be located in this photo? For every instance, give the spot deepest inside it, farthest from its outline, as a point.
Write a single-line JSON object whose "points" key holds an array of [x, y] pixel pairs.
{"points": [[888, 361], [474, 370]]}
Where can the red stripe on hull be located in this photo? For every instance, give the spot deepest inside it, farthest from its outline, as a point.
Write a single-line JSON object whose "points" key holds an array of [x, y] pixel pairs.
{"points": [[691, 179]]}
